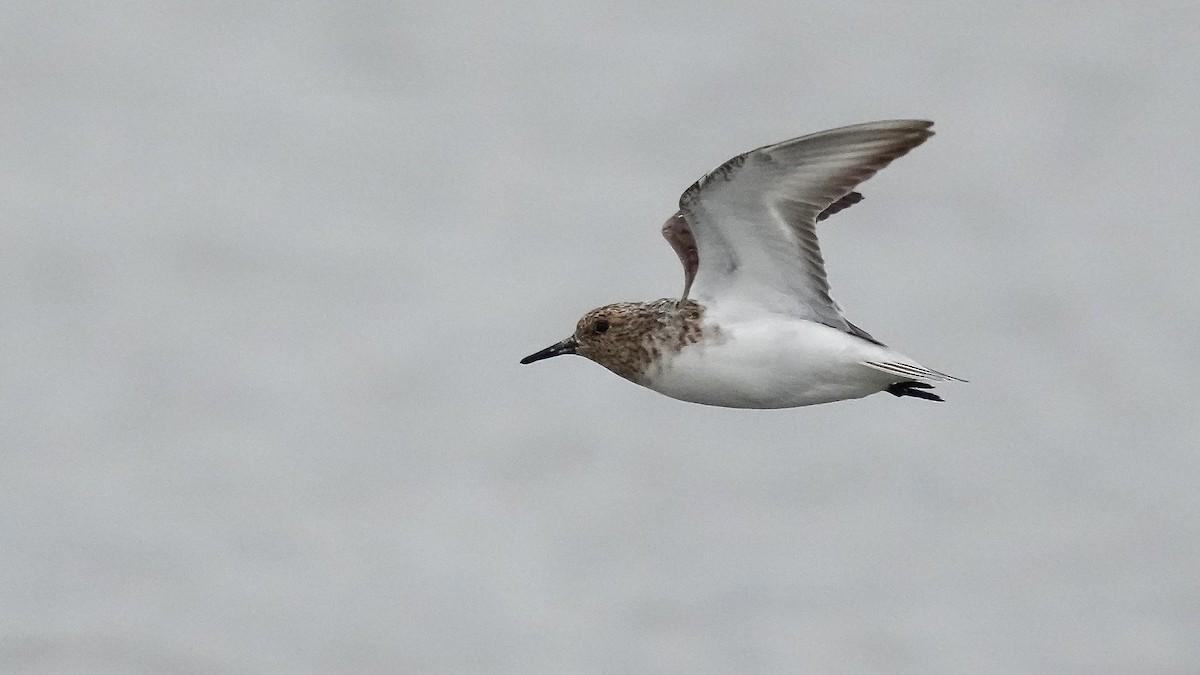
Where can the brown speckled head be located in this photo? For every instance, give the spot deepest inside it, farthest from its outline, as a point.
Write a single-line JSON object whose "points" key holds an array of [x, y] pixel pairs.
{"points": [[630, 337]]}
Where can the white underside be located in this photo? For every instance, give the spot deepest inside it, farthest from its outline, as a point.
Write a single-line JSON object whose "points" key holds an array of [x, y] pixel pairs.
{"points": [[773, 361]]}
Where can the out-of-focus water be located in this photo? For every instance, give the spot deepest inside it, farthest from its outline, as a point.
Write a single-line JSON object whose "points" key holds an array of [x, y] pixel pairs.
{"points": [[266, 272]]}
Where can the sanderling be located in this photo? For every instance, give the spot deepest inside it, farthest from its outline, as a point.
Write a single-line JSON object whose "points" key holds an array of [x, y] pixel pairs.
{"points": [[755, 326]]}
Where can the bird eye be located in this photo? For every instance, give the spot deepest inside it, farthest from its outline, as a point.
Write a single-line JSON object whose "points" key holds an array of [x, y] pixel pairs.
{"points": [[600, 326]]}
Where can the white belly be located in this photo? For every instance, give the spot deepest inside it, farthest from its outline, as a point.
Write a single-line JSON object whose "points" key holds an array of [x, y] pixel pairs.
{"points": [[772, 362]]}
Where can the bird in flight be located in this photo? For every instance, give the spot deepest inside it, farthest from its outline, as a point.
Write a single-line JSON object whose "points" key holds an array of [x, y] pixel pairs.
{"points": [[755, 326]]}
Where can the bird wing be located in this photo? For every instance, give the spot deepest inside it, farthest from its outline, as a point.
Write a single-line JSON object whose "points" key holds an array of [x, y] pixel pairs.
{"points": [[683, 242], [752, 221]]}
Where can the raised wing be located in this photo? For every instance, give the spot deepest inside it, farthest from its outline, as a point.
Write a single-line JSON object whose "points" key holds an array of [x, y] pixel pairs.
{"points": [[754, 218], [679, 236]]}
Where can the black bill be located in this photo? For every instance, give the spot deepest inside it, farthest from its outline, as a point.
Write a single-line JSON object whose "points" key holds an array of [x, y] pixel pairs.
{"points": [[558, 349]]}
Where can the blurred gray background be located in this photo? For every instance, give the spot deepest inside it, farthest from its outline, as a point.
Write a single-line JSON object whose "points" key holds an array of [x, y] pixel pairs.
{"points": [[266, 271]]}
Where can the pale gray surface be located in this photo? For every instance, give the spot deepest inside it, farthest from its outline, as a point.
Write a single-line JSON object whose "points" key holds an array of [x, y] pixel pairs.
{"points": [[266, 271]]}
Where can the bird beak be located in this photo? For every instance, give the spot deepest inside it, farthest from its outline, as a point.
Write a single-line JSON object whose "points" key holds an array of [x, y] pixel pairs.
{"points": [[558, 349]]}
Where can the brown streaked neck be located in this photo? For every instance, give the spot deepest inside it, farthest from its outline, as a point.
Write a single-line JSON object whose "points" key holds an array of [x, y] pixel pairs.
{"points": [[659, 330]]}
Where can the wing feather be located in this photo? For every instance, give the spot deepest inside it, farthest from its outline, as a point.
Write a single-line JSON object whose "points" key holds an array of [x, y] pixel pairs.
{"points": [[754, 217]]}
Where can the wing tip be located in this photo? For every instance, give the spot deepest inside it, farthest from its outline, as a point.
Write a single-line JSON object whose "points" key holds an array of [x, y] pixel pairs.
{"points": [[917, 131], [913, 371], [916, 125]]}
